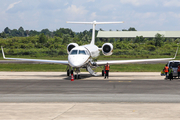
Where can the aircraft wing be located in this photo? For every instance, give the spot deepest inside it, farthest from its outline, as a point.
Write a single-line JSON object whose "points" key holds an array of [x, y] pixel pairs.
{"points": [[36, 60], [111, 62]]}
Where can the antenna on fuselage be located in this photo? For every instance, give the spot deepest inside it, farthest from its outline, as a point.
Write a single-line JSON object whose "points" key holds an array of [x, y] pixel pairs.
{"points": [[94, 23]]}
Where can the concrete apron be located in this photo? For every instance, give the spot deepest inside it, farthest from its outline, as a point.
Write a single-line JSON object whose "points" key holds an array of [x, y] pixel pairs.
{"points": [[84, 76], [89, 111]]}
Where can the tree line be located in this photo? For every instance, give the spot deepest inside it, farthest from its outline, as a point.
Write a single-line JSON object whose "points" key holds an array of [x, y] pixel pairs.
{"points": [[54, 43]]}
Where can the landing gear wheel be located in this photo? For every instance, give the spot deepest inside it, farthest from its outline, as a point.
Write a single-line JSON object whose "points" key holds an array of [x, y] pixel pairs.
{"points": [[71, 71], [67, 72], [79, 77], [75, 76], [102, 72]]}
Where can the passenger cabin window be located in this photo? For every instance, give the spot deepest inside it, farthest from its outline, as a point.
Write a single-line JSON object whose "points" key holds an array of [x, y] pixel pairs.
{"points": [[74, 52], [82, 52]]}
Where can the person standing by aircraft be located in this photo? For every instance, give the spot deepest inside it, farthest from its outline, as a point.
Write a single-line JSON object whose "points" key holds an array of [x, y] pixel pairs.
{"points": [[171, 73], [178, 70], [106, 71], [166, 68]]}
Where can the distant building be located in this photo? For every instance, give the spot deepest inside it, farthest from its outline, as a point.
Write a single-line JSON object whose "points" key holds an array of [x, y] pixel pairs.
{"points": [[134, 34]]}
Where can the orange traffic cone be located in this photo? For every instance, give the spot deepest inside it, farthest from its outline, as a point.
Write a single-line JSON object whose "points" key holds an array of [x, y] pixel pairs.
{"points": [[72, 77]]}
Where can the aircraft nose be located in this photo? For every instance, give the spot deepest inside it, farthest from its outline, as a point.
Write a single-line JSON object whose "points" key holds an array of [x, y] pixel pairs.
{"points": [[75, 64], [77, 61]]}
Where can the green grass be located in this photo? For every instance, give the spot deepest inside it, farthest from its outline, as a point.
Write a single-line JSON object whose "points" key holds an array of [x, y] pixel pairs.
{"points": [[32, 67], [58, 67], [137, 68], [62, 68]]}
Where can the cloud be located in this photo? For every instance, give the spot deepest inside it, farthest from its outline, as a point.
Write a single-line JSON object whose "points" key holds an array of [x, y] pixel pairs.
{"points": [[93, 15], [12, 5], [136, 2], [146, 15], [91, 1], [52, 14], [171, 3], [174, 15], [76, 12], [66, 3], [108, 7]]}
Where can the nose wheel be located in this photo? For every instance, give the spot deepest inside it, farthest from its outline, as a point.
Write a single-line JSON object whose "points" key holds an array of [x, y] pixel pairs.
{"points": [[77, 77]]}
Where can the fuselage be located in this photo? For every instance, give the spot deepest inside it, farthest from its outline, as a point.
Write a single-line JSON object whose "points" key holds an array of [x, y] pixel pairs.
{"points": [[80, 56]]}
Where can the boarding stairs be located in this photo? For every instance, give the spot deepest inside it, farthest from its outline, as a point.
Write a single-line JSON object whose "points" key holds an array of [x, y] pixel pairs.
{"points": [[89, 69]]}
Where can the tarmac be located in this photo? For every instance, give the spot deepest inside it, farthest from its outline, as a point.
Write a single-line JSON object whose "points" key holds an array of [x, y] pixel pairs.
{"points": [[53, 96], [84, 76]]}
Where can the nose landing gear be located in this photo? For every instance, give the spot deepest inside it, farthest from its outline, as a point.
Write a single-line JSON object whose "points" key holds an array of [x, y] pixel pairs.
{"points": [[77, 70], [68, 70], [77, 77]]}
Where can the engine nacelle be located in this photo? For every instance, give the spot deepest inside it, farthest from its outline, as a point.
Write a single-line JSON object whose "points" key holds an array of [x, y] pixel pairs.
{"points": [[71, 46], [107, 49]]}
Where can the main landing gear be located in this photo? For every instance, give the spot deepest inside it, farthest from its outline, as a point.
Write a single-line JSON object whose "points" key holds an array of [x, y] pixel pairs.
{"points": [[102, 72], [67, 72]]}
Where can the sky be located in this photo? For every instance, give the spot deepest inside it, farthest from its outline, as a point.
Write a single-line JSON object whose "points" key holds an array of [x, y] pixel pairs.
{"points": [[143, 15]]}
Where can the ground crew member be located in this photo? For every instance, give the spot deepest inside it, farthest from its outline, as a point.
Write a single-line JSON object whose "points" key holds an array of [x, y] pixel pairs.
{"points": [[106, 70], [178, 70], [166, 68], [171, 73]]}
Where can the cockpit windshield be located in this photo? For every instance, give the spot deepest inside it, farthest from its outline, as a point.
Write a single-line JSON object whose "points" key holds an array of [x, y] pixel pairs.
{"points": [[82, 52], [74, 52]]}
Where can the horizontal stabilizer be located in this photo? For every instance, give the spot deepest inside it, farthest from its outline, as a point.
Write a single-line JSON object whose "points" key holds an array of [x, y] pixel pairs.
{"points": [[94, 22]]}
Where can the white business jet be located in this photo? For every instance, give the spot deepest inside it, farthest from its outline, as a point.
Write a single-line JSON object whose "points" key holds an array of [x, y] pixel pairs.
{"points": [[82, 56]]}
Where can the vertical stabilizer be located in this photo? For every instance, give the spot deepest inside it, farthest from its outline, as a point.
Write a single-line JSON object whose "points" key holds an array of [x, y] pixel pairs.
{"points": [[94, 23]]}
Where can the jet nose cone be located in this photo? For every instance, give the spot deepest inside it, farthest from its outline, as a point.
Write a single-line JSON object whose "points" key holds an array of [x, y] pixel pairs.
{"points": [[77, 61], [73, 61], [76, 64]]}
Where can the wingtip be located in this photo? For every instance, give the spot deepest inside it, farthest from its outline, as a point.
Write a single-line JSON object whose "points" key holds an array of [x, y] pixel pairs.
{"points": [[176, 52]]}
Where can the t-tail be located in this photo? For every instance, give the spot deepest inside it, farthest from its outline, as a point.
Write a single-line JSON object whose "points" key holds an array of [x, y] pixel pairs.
{"points": [[94, 23]]}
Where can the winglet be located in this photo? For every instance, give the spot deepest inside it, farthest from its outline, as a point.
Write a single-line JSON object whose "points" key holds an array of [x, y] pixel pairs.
{"points": [[3, 53], [176, 52]]}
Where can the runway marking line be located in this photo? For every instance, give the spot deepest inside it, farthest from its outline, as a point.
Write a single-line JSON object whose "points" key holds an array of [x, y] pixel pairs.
{"points": [[120, 81]]}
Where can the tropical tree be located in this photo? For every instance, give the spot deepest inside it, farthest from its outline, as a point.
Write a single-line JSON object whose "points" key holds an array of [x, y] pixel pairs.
{"points": [[158, 39], [42, 38]]}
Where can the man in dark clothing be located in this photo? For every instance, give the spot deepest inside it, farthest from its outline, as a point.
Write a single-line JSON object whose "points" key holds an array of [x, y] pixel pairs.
{"points": [[178, 70], [171, 73]]}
